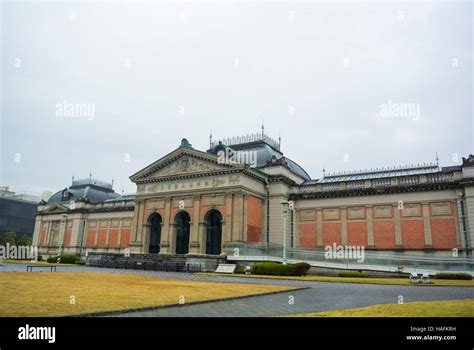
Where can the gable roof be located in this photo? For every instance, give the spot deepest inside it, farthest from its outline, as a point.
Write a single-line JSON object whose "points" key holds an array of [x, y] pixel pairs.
{"points": [[186, 161]]}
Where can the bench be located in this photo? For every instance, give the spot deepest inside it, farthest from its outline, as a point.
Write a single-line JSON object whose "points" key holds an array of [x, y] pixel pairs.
{"points": [[414, 278], [420, 278], [29, 268]]}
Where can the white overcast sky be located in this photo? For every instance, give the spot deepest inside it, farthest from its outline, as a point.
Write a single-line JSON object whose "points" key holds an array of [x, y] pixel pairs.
{"points": [[230, 66]]}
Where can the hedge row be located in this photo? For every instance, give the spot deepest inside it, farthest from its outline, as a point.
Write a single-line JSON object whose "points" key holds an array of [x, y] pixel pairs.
{"points": [[453, 276], [353, 274], [65, 259], [278, 269]]}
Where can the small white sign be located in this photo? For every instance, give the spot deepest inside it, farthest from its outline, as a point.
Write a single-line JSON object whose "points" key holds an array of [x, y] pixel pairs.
{"points": [[226, 268]]}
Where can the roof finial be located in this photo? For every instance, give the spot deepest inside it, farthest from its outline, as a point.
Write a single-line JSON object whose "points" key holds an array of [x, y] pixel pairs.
{"points": [[263, 128], [437, 159], [73, 178], [90, 175], [112, 182], [324, 171], [279, 140], [210, 139]]}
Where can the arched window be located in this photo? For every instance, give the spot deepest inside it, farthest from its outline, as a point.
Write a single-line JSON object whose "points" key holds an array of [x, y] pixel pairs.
{"points": [[214, 233], [155, 233], [182, 232]]}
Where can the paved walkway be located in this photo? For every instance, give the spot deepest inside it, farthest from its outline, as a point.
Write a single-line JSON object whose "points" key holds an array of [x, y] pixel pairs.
{"points": [[321, 296]]}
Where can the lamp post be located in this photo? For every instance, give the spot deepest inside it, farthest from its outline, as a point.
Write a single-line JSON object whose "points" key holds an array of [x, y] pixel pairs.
{"points": [[285, 211]]}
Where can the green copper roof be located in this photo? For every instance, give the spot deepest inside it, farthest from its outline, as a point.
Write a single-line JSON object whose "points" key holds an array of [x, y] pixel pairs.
{"points": [[185, 143]]}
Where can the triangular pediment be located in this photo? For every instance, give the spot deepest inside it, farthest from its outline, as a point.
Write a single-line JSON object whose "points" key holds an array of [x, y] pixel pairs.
{"points": [[56, 207], [184, 161], [186, 164]]}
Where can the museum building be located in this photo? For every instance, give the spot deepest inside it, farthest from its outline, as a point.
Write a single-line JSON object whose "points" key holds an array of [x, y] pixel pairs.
{"points": [[197, 203]]}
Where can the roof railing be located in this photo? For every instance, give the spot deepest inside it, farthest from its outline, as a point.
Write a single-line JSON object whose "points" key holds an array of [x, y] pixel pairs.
{"points": [[232, 141], [424, 166], [89, 181]]}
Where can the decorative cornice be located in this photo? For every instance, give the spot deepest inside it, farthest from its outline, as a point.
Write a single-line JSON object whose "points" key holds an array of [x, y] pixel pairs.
{"points": [[284, 179], [89, 210], [373, 191], [187, 176]]}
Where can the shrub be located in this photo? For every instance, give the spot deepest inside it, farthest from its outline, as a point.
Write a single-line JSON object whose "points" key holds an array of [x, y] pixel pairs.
{"points": [[239, 271], [278, 269], [353, 274], [8, 237], [453, 276], [302, 269], [65, 259]]}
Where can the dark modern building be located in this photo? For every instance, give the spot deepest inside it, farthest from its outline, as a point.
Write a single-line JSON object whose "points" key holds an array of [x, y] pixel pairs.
{"points": [[17, 216]]}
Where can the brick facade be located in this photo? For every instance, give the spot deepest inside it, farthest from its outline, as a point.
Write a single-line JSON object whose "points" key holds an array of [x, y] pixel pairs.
{"points": [[254, 219], [442, 226]]}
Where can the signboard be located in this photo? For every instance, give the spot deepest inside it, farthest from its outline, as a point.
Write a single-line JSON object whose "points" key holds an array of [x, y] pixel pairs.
{"points": [[226, 268]]}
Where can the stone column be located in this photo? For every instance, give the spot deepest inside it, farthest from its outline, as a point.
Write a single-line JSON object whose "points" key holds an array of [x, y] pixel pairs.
{"points": [[194, 246], [62, 231], [460, 228], [244, 216], [319, 227], [469, 216], [48, 234], [370, 228], [343, 225], [119, 235], [76, 233], [427, 225], [227, 231], [97, 227], [172, 238], [141, 224], [37, 231], [107, 235], [82, 241], [202, 237], [146, 238], [136, 211], [237, 230], [165, 232], [398, 228]]}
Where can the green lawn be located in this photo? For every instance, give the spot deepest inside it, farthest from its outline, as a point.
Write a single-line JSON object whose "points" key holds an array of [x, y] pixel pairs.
{"points": [[37, 294], [390, 281], [449, 308]]}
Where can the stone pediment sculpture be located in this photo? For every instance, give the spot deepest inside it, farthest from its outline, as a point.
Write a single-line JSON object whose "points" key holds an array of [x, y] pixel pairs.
{"points": [[187, 164], [57, 207], [183, 161]]}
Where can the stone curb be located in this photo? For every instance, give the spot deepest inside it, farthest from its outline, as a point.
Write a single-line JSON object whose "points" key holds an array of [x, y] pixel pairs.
{"points": [[340, 282], [158, 307]]}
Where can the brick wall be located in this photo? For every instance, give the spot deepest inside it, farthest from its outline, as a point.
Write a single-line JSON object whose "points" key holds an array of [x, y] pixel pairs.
{"points": [[331, 233], [413, 236], [442, 220], [384, 234], [308, 235], [357, 233], [254, 219]]}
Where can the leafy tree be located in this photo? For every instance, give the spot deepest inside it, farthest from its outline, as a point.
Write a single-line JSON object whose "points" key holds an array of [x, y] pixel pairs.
{"points": [[25, 240], [8, 237]]}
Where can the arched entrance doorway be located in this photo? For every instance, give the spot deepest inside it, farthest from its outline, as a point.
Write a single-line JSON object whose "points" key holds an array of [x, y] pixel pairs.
{"points": [[214, 233], [155, 233], [182, 232]]}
